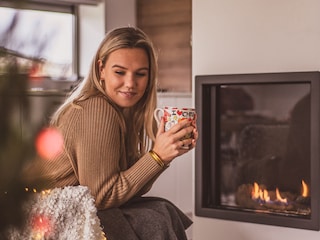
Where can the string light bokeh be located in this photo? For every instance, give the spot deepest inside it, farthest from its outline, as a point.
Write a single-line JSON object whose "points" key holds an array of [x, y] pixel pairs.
{"points": [[49, 143]]}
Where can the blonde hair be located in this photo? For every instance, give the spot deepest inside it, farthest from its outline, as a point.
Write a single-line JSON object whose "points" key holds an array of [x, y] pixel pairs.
{"points": [[141, 124]]}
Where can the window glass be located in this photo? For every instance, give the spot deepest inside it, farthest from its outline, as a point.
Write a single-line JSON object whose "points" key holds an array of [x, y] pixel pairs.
{"points": [[41, 41]]}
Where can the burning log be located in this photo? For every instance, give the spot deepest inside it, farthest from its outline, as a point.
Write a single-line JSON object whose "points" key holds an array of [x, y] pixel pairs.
{"points": [[257, 197]]}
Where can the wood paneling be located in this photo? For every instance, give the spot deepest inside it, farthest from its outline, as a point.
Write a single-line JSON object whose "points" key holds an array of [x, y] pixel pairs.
{"points": [[168, 23]]}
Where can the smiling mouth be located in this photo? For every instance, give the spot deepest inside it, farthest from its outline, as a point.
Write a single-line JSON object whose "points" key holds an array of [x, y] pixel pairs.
{"points": [[128, 94]]}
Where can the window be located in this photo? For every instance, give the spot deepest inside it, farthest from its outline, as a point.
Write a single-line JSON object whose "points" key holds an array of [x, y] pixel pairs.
{"points": [[42, 38]]}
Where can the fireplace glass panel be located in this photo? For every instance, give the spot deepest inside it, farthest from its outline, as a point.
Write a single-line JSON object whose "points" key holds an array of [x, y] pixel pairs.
{"points": [[264, 147], [257, 156]]}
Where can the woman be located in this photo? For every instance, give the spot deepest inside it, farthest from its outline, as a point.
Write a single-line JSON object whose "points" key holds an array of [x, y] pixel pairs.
{"points": [[111, 141]]}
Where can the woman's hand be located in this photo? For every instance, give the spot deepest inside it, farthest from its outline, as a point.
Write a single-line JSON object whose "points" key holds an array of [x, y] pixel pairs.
{"points": [[168, 144]]}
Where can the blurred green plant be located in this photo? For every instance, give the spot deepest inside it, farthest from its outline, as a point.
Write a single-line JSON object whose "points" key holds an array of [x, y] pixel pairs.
{"points": [[15, 149]]}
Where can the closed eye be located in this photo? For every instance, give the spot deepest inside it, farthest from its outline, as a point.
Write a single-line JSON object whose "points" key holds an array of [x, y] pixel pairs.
{"points": [[120, 73], [141, 74]]}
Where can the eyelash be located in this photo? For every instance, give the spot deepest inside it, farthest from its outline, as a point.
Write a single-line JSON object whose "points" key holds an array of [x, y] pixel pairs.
{"points": [[141, 74], [123, 73], [119, 72]]}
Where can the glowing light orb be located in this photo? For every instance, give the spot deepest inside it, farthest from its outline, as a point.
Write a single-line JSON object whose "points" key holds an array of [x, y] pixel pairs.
{"points": [[41, 227], [49, 143]]}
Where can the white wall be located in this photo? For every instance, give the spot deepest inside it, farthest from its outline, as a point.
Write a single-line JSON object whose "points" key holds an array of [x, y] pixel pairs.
{"points": [[95, 21], [231, 36], [249, 36], [92, 31]]}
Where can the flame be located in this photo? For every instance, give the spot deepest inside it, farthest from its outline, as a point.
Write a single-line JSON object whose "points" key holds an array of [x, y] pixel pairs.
{"points": [[279, 198], [258, 193], [255, 191], [263, 195], [266, 195], [305, 189]]}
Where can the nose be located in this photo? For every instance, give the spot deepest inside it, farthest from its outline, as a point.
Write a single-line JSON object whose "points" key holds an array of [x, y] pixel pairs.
{"points": [[130, 80]]}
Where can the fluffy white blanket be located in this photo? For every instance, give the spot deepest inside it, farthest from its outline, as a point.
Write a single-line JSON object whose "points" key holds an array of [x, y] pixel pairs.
{"points": [[61, 213]]}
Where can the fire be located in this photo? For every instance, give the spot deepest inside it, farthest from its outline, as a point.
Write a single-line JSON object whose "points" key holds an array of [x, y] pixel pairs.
{"points": [[263, 195], [259, 194], [279, 198], [255, 191], [305, 190]]}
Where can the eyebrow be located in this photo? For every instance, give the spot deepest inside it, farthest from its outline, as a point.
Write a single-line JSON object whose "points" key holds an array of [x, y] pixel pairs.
{"points": [[139, 69]]}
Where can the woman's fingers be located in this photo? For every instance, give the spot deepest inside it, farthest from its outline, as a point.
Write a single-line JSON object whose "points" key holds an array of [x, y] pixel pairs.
{"points": [[182, 130], [190, 141], [161, 127], [178, 140]]}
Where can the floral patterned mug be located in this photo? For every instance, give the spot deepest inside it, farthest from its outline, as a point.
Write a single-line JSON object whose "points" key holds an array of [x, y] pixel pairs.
{"points": [[173, 115]]}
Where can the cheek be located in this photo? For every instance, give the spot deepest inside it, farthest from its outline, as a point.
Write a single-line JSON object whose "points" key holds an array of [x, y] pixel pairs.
{"points": [[144, 84], [112, 85]]}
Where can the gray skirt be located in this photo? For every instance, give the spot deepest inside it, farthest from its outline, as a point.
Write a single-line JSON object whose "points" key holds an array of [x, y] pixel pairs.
{"points": [[145, 218]]}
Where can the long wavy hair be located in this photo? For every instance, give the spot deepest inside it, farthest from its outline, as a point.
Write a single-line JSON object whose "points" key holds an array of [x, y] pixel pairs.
{"points": [[138, 120]]}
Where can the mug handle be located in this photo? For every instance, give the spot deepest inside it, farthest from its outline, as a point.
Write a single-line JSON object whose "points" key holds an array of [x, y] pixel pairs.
{"points": [[156, 115]]}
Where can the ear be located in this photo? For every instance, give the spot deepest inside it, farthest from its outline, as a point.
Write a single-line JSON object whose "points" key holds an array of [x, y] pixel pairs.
{"points": [[101, 69], [100, 65]]}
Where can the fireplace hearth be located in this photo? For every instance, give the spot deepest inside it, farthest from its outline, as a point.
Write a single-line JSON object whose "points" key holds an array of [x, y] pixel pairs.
{"points": [[257, 158]]}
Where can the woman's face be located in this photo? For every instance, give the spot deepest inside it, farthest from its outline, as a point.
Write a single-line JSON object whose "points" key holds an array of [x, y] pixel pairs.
{"points": [[126, 75]]}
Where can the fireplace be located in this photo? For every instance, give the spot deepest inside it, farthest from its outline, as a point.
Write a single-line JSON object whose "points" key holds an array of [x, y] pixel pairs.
{"points": [[257, 158]]}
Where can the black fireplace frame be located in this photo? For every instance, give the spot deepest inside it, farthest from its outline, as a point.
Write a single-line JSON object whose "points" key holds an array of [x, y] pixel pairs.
{"points": [[205, 152]]}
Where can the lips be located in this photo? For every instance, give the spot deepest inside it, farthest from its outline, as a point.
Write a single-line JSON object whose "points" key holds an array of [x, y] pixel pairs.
{"points": [[128, 94]]}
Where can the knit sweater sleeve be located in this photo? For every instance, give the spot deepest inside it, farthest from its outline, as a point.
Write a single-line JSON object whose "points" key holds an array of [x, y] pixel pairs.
{"points": [[95, 152]]}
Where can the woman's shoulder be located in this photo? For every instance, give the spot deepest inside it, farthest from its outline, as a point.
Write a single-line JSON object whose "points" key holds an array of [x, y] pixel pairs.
{"points": [[97, 106], [96, 103], [94, 100]]}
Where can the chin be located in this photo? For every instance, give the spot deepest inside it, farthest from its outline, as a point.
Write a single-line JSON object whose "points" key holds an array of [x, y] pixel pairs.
{"points": [[127, 105]]}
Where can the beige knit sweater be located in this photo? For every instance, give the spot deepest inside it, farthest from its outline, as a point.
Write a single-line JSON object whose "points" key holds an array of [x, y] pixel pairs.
{"points": [[94, 156]]}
